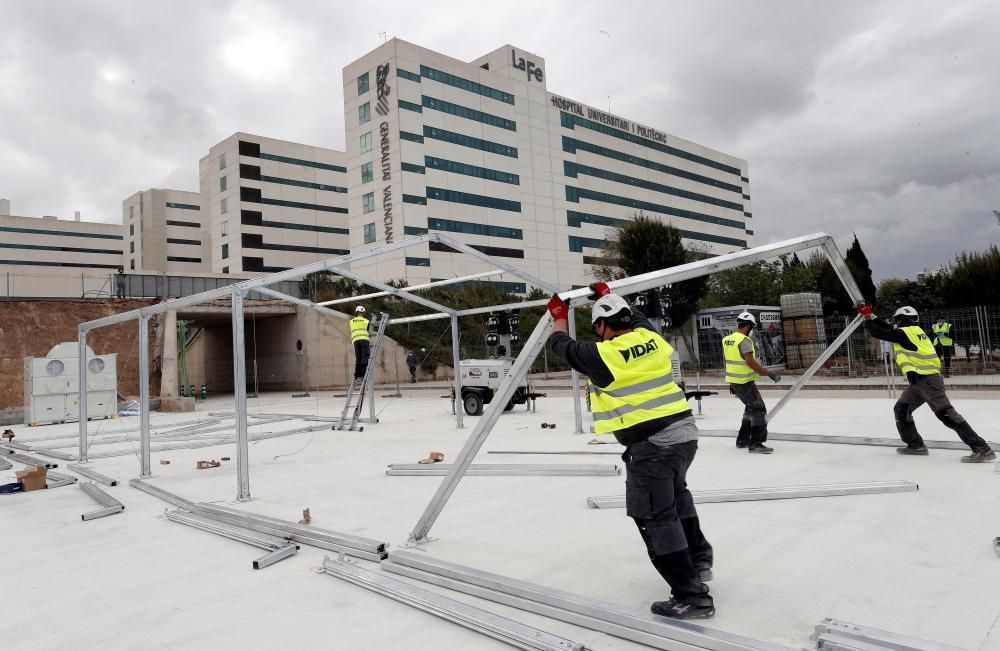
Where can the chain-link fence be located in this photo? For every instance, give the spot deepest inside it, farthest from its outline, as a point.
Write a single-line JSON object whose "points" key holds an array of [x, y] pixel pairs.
{"points": [[975, 353]]}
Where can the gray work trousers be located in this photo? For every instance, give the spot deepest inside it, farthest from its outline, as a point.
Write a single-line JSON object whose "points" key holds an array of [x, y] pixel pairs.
{"points": [[753, 428], [930, 389]]}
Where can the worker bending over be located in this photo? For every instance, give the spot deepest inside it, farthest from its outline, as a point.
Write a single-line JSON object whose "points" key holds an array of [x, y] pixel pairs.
{"points": [[742, 372]]}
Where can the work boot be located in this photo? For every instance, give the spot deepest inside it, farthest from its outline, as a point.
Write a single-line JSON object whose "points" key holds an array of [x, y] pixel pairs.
{"points": [[982, 456], [917, 451], [677, 609], [760, 448]]}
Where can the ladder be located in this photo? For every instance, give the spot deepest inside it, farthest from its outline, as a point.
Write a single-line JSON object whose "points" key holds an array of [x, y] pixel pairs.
{"points": [[356, 390]]}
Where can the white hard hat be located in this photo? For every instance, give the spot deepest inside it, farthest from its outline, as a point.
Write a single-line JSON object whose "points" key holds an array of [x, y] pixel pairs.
{"points": [[746, 316], [906, 310], [360, 309], [608, 306]]}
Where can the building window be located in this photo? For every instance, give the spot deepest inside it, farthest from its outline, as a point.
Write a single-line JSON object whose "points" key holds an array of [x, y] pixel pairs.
{"points": [[471, 170], [225, 228], [368, 202], [222, 162], [131, 212], [418, 262], [468, 198], [131, 264], [222, 184], [468, 141], [225, 251], [225, 270], [251, 172], [366, 142], [363, 84], [369, 233], [364, 112], [131, 247], [224, 205], [467, 113], [131, 229], [367, 172]]}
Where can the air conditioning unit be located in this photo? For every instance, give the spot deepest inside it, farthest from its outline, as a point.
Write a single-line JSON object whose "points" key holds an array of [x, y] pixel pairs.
{"points": [[52, 385]]}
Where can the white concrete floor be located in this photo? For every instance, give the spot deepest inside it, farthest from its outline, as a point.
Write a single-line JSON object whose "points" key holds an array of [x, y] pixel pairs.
{"points": [[915, 563]]}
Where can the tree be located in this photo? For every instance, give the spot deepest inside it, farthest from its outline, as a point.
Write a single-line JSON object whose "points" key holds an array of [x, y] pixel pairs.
{"points": [[857, 262], [973, 279], [647, 244], [893, 293]]}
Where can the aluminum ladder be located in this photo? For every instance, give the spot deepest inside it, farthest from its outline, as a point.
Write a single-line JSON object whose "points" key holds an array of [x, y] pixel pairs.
{"points": [[357, 388]]}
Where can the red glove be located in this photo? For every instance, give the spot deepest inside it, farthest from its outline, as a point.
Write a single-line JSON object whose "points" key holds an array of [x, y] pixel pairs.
{"points": [[558, 308], [599, 289], [864, 309]]}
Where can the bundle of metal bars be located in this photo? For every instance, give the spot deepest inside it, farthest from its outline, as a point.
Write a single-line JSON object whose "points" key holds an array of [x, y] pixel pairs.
{"points": [[504, 469], [835, 635], [500, 628], [278, 548], [25, 459], [637, 626], [372, 550], [777, 493], [110, 504]]}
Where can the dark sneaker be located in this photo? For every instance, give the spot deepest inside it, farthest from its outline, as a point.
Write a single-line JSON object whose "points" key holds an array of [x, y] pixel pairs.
{"points": [[742, 444], [983, 456], [681, 610], [921, 451], [760, 448], [705, 574]]}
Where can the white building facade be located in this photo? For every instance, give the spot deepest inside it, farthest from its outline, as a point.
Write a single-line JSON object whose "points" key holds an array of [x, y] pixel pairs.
{"points": [[163, 232], [484, 152]]}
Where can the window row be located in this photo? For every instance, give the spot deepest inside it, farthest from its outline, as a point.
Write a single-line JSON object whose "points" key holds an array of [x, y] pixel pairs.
{"points": [[495, 251], [175, 258], [572, 170], [256, 241], [471, 170], [175, 240], [183, 206], [465, 84], [569, 121], [252, 195], [470, 228], [575, 194], [576, 218], [40, 231], [469, 141], [406, 74], [175, 222], [467, 113], [303, 184], [304, 163], [64, 249], [77, 265], [256, 218], [410, 106], [410, 167], [414, 198], [571, 145], [509, 287], [470, 199]]}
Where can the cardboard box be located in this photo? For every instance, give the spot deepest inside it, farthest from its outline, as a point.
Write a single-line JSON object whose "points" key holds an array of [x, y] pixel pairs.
{"points": [[32, 480]]}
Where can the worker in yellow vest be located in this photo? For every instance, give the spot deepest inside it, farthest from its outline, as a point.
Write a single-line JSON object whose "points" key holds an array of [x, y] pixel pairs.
{"points": [[922, 368], [634, 396], [361, 341], [944, 343], [742, 372]]}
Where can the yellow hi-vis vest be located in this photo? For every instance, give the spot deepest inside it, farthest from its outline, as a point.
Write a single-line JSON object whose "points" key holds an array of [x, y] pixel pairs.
{"points": [[359, 329], [923, 360], [643, 388], [737, 369], [942, 334]]}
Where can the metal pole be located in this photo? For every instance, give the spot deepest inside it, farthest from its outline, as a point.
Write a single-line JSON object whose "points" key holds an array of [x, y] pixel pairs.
{"points": [[145, 470], [850, 356], [482, 430], [575, 379], [983, 345], [456, 356], [240, 395], [82, 398], [837, 343], [371, 390]]}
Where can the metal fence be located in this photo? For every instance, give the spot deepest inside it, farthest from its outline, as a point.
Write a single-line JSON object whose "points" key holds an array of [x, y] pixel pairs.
{"points": [[975, 354]]}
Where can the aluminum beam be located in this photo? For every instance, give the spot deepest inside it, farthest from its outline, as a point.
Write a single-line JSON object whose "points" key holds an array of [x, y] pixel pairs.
{"points": [[56, 480], [776, 493], [600, 469], [847, 440], [319, 307], [575, 379], [110, 505], [638, 626], [82, 398], [159, 493], [277, 548], [580, 296], [89, 473], [848, 634], [436, 283], [240, 397], [402, 293], [465, 248], [145, 467], [456, 355], [277, 555], [502, 473], [482, 621], [5, 465], [26, 459]]}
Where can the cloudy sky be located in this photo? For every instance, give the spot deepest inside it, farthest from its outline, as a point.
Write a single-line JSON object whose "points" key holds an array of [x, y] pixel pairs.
{"points": [[875, 118]]}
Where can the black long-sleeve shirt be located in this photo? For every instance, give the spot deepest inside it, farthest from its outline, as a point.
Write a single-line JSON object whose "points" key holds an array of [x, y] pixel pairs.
{"points": [[583, 357], [887, 332]]}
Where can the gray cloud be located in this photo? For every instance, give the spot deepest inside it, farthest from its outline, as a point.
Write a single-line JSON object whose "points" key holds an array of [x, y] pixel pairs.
{"points": [[875, 118]]}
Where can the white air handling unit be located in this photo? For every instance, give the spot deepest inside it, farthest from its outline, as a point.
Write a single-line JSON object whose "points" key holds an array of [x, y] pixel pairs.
{"points": [[52, 391]]}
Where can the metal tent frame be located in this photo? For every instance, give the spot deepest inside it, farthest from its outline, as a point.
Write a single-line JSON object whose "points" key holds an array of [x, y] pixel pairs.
{"points": [[239, 291], [625, 286]]}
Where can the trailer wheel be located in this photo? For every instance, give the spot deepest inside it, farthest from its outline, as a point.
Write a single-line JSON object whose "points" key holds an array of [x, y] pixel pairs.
{"points": [[473, 404]]}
